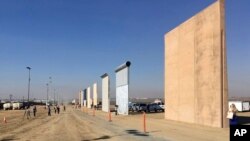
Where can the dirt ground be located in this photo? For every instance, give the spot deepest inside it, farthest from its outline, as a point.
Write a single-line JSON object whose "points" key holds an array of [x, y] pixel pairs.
{"points": [[87, 125]]}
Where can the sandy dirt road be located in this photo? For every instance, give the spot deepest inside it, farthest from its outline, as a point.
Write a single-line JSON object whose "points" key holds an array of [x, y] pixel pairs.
{"points": [[84, 125], [72, 125]]}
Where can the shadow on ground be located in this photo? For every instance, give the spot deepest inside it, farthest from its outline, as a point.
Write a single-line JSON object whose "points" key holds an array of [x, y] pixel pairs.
{"points": [[11, 138], [136, 133], [131, 132], [100, 138]]}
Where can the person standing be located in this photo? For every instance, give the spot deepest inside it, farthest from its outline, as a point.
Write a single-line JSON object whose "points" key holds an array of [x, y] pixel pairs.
{"points": [[25, 111], [232, 114], [55, 108], [58, 109], [28, 113], [34, 110], [49, 111], [64, 108]]}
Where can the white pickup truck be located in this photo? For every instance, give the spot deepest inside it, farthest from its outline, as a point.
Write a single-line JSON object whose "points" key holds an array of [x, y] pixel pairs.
{"points": [[17, 106], [7, 106]]}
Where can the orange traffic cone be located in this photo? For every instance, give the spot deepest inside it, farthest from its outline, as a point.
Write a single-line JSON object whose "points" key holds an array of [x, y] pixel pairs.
{"points": [[4, 120]]}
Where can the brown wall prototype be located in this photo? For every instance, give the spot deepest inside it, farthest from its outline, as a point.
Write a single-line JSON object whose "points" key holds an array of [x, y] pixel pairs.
{"points": [[195, 69]]}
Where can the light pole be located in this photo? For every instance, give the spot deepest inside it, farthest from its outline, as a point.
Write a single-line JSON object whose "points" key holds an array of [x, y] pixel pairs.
{"points": [[54, 96], [10, 97], [47, 84], [29, 68], [50, 83]]}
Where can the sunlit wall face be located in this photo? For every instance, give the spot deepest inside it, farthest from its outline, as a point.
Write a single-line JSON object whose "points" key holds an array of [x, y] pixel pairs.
{"points": [[122, 90], [95, 94], [89, 100], [196, 69], [105, 94]]}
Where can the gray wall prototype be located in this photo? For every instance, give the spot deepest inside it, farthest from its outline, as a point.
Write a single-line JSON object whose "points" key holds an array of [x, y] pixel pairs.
{"points": [[122, 88]]}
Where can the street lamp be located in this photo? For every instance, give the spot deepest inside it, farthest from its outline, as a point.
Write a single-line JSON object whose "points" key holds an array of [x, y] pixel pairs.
{"points": [[54, 97], [29, 68], [47, 84]]}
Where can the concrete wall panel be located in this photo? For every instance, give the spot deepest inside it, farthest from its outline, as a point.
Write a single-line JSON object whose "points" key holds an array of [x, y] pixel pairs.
{"points": [[95, 94], [122, 99], [105, 94], [89, 100], [122, 77], [81, 96], [122, 88], [85, 97], [195, 69]]}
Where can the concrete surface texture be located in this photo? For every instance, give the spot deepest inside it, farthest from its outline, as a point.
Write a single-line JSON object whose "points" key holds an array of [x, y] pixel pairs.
{"points": [[105, 94], [195, 69], [95, 94]]}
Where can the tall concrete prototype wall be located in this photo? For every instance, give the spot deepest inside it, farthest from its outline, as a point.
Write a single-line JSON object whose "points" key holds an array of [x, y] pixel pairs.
{"points": [[195, 69], [85, 97], [81, 98], [89, 100], [105, 93], [95, 94], [122, 87]]}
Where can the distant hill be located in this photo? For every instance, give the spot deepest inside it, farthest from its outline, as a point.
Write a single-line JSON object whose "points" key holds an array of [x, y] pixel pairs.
{"points": [[239, 98]]}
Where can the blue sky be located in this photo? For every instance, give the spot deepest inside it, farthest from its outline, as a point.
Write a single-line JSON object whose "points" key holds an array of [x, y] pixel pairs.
{"points": [[75, 42]]}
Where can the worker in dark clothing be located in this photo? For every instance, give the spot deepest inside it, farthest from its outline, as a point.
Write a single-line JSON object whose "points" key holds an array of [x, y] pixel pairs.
{"points": [[55, 109], [49, 111], [34, 110], [64, 108], [58, 109]]}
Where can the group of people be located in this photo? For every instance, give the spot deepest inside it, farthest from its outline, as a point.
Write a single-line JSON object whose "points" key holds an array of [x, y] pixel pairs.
{"points": [[30, 109], [27, 111], [231, 115], [56, 109]]}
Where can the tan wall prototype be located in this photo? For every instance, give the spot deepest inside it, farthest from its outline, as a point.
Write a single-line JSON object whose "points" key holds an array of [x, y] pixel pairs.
{"points": [[195, 69], [95, 94], [105, 94], [89, 100], [81, 96]]}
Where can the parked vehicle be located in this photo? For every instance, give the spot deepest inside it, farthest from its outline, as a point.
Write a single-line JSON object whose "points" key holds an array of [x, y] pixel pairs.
{"points": [[25, 105], [240, 105], [17, 105], [154, 107], [161, 104], [131, 106], [140, 107], [7, 106], [1, 106]]}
